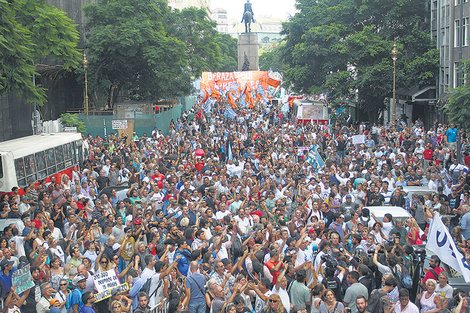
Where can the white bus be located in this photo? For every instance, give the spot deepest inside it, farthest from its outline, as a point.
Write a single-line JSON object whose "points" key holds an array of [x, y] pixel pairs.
{"points": [[305, 111], [33, 158]]}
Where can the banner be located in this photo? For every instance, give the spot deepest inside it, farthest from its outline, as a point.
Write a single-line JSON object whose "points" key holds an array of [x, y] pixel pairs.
{"points": [[300, 150], [106, 280], [21, 279], [441, 243], [119, 124], [225, 79], [358, 139], [107, 293]]}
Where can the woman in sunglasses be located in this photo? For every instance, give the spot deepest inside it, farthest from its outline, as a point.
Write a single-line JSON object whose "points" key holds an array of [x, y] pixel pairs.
{"points": [[331, 305], [62, 294], [274, 305]]}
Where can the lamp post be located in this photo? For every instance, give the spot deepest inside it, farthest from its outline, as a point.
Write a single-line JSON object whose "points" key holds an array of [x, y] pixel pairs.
{"points": [[394, 58], [85, 68]]}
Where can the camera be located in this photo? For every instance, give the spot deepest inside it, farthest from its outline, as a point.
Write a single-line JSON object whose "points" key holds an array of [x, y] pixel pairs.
{"points": [[329, 261]]}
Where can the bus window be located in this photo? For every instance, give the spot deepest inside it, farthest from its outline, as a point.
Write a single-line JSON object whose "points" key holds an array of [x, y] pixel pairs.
{"points": [[20, 176], [29, 166], [41, 165], [50, 160], [1, 166], [68, 151], [59, 156]]}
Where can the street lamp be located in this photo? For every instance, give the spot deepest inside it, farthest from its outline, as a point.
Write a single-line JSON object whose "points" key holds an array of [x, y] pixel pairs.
{"points": [[85, 67], [394, 58]]}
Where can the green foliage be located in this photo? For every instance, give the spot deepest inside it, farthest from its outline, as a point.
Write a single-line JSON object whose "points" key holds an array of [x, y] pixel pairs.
{"points": [[31, 30], [271, 61], [458, 107], [130, 50], [229, 53], [194, 28], [72, 120], [343, 47]]}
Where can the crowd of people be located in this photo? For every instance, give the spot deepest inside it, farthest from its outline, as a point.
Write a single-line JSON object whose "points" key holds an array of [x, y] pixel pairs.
{"points": [[229, 215]]}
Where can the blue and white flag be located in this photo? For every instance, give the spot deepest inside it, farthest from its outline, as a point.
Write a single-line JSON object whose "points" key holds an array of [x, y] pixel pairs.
{"points": [[229, 154], [441, 243], [208, 106], [315, 159], [230, 113]]}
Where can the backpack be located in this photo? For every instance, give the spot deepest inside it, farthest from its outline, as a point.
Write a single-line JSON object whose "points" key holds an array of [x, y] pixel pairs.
{"points": [[406, 280], [146, 286], [236, 248], [374, 300], [68, 304]]}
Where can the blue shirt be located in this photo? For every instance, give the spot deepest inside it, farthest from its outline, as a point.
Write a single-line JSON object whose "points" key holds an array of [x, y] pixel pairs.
{"points": [[465, 225], [87, 309], [197, 296], [451, 134], [134, 291], [339, 229], [76, 298], [183, 264], [5, 282]]}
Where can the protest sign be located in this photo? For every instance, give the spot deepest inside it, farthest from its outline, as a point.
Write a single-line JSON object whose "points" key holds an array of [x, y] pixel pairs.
{"points": [[21, 279], [119, 124], [106, 280], [107, 293], [358, 139]]}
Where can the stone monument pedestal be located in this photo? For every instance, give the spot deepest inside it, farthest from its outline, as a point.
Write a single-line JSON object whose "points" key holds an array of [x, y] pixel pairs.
{"points": [[248, 45]]}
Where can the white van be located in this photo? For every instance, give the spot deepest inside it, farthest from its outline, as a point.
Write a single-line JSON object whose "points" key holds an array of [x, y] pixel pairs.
{"points": [[398, 213]]}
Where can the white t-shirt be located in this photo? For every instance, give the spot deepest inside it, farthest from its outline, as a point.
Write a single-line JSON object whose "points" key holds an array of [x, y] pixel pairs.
{"points": [[445, 292], [386, 228], [284, 297], [154, 299]]}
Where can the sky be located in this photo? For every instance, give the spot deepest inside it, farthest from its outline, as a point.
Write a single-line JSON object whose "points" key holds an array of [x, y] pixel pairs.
{"points": [[261, 8]]}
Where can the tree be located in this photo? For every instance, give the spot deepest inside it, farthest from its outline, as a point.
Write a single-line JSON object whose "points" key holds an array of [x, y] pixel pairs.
{"points": [[130, 50], [271, 61], [458, 107], [194, 28], [343, 47], [72, 120], [32, 30], [228, 53]]}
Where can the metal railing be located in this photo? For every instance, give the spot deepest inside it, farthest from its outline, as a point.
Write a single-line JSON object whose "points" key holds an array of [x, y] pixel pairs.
{"points": [[161, 307]]}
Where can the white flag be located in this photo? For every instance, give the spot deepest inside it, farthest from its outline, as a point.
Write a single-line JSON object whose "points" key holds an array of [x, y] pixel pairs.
{"points": [[441, 243]]}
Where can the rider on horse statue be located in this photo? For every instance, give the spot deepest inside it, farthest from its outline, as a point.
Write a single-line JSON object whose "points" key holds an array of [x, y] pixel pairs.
{"points": [[248, 16]]}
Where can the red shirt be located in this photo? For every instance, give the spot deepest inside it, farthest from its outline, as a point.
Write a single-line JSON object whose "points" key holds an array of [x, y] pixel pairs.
{"points": [[270, 265], [427, 154], [430, 275]]}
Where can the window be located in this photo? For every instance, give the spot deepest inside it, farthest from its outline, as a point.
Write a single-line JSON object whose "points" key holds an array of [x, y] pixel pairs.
{"points": [[457, 33], [41, 165], [465, 31], [456, 75]]}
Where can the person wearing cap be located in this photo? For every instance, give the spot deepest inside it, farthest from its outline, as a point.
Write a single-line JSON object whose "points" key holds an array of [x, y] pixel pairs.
{"points": [[337, 224], [43, 305], [76, 302], [88, 299], [7, 269], [348, 207]]}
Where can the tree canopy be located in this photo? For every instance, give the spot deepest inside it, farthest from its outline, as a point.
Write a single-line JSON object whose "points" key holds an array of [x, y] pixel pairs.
{"points": [[130, 50], [343, 47], [31, 30]]}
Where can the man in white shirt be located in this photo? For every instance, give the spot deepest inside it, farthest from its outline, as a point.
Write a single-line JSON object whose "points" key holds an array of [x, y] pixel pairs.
{"points": [[404, 305]]}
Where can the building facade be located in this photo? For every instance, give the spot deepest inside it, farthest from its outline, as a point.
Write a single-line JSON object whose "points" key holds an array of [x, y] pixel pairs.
{"points": [[450, 29]]}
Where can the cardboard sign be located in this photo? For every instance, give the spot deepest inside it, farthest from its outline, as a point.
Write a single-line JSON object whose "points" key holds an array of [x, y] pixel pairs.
{"points": [[106, 280], [119, 124], [107, 293], [21, 279]]}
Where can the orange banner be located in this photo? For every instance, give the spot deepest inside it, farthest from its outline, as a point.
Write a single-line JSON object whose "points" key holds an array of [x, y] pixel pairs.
{"points": [[225, 79]]}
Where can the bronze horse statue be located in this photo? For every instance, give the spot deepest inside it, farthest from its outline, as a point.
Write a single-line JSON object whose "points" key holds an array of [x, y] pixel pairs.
{"points": [[248, 17]]}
